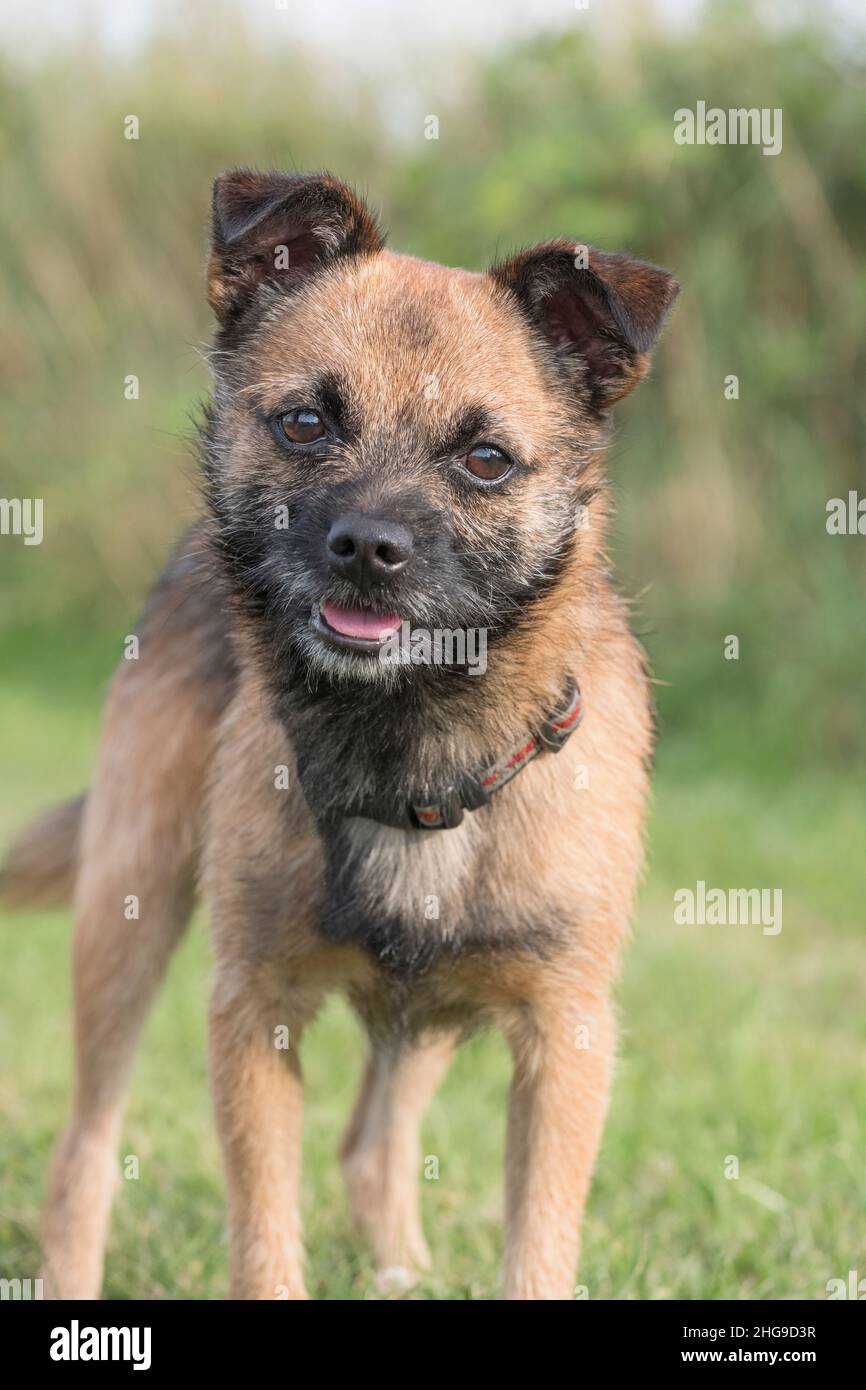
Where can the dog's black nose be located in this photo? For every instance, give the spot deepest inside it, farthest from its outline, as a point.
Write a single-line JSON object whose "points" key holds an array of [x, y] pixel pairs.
{"points": [[368, 549]]}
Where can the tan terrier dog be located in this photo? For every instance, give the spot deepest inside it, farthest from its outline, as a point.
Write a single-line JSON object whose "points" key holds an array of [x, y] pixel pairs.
{"points": [[393, 447]]}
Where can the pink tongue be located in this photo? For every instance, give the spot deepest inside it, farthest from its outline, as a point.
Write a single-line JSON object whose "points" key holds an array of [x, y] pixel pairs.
{"points": [[354, 622]]}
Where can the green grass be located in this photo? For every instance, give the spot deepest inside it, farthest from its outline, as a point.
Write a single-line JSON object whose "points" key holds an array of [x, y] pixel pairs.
{"points": [[732, 1043]]}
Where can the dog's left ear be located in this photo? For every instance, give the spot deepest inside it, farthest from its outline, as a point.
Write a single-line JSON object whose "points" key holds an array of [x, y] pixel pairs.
{"points": [[277, 229], [601, 313]]}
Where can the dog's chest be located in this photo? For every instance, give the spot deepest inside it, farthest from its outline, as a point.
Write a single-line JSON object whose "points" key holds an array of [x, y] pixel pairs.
{"points": [[416, 899], [396, 894]]}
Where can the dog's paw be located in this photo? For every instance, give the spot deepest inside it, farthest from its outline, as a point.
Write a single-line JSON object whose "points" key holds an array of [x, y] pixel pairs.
{"points": [[395, 1279]]}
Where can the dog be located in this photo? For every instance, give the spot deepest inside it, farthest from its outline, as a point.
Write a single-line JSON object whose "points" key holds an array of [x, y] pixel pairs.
{"points": [[389, 442]]}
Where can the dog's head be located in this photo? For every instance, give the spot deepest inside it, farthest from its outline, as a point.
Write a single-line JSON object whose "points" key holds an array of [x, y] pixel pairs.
{"points": [[396, 442]]}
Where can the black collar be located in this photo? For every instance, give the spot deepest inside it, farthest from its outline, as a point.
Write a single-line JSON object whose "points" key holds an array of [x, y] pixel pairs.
{"points": [[473, 791]]}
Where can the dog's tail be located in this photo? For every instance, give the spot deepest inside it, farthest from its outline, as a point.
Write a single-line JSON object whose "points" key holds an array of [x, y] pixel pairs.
{"points": [[42, 862]]}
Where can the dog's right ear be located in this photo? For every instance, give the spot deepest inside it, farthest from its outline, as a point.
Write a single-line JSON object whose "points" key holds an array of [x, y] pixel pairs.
{"points": [[277, 229]]}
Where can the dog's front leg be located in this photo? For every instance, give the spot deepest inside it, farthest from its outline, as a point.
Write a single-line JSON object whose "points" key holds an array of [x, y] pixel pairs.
{"points": [[258, 1100], [563, 1050]]}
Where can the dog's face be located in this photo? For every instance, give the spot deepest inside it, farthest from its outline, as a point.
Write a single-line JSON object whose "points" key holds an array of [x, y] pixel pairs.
{"points": [[396, 442]]}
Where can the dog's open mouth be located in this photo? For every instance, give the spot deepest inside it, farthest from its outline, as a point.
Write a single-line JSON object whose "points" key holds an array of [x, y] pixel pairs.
{"points": [[353, 629]]}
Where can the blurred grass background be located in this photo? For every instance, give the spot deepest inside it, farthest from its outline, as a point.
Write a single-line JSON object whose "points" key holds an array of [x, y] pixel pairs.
{"points": [[734, 1043]]}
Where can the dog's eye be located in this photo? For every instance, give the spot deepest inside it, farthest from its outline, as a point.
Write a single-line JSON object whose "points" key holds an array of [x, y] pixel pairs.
{"points": [[302, 426], [487, 463]]}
